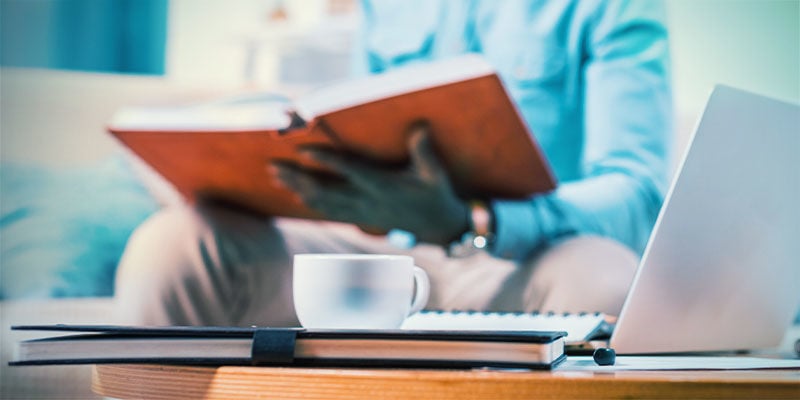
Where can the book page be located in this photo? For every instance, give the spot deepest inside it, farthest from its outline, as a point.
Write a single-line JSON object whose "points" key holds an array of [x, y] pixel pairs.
{"points": [[408, 79], [233, 115]]}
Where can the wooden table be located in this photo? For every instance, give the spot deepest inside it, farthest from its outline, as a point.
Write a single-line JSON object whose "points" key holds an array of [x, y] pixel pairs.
{"points": [[229, 382]]}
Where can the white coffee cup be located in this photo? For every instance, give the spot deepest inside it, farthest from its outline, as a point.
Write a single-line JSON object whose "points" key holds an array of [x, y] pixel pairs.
{"points": [[357, 291]]}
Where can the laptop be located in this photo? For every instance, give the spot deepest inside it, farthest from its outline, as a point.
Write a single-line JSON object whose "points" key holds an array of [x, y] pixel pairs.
{"points": [[721, 270]]}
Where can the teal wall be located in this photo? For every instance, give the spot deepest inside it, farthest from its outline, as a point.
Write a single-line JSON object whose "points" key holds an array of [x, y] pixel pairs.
{"points": [[92, 35], [750, 44]]}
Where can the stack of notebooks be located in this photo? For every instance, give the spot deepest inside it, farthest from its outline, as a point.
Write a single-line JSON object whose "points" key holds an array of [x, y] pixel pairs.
{"points": [[427, 340]]}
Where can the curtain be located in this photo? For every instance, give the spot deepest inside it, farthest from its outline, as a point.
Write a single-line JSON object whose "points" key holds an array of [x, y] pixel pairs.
{"points": [[127, 36]]}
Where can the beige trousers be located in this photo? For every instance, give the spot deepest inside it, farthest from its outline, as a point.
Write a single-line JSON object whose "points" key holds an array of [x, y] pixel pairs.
{"points": [[188, 266]]}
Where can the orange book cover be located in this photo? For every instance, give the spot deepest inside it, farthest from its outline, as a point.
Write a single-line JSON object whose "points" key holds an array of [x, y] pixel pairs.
{"points": [[221, 151]]}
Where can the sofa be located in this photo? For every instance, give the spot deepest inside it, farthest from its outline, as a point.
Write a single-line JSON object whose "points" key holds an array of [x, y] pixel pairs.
{"points": [[69, 199]]}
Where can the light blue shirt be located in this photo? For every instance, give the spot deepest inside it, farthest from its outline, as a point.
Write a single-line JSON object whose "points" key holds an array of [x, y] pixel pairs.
{"points": [[591, 80]]}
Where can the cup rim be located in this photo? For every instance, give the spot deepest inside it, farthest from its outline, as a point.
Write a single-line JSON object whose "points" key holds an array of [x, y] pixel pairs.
{"points": [[352, 256]]}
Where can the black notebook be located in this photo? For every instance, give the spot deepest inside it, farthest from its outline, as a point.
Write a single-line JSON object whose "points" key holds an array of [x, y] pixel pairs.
{"points": [[87, 344]]}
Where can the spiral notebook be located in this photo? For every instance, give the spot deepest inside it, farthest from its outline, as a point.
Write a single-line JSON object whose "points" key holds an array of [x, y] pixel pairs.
{"points": [[580, 328]]}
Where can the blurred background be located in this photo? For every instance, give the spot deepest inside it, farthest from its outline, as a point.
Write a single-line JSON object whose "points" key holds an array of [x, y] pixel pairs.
{"points": [[68, 203], [69, 198], [751, 44]]}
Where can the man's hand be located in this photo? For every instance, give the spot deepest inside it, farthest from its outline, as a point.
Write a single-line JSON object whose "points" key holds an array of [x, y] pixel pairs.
{"points": [[418, 198]]}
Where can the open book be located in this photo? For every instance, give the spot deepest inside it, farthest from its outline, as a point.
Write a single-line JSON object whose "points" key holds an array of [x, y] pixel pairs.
{"points": [[220, 150], [89, 344]]}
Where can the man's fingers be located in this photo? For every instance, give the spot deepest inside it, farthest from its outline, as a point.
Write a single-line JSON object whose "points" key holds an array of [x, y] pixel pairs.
{"points": [[355, 171], [423, 156], [336, 205], [333, 198], [293, 178]]}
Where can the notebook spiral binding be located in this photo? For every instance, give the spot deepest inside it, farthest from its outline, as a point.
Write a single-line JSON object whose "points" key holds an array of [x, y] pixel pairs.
{"points": [[580, 327]]}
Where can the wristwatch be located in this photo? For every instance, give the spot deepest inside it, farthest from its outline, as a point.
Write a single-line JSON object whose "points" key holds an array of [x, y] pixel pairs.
{"points": [[480, 236]]}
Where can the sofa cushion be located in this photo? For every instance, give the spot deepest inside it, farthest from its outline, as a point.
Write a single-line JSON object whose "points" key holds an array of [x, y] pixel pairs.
{"points": [[62, 230]]}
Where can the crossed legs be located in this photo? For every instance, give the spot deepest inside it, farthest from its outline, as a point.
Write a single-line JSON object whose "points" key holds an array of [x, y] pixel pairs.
{"points": [[188, 266]]}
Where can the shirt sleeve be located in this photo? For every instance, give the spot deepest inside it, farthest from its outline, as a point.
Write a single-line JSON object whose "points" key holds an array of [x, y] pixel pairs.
{"points": [[627, 117]]}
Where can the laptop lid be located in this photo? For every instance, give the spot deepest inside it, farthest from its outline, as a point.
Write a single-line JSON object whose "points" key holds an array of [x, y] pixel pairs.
{"points": [[722, 268]]}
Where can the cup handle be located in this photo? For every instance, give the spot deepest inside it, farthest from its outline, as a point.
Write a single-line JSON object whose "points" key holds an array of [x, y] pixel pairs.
{"points": [[422, 291]]}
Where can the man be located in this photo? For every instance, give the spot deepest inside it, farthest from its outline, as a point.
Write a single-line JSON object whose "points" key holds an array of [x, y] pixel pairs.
{"points": [[589, 77]]}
